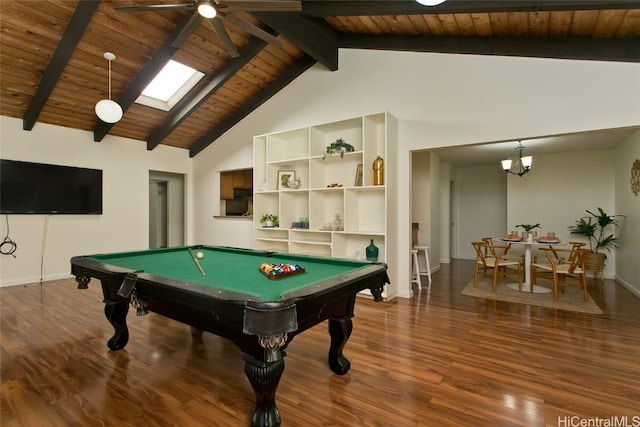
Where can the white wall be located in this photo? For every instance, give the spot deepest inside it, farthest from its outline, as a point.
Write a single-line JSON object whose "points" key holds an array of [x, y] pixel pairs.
{"points": [[439, 100], [481, 201], [628, 204], [124, 223]]}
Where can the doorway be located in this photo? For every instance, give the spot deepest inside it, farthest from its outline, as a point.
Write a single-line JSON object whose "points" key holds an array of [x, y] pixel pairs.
{"points": [[166, 209]]}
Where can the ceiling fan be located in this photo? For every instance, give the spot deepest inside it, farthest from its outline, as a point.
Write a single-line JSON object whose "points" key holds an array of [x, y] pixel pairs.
{"points": [[215, 11]]}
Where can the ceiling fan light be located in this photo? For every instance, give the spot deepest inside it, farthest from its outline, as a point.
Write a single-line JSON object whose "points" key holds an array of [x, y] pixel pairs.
{"points": [[108, 111], [206, 10], [430, 2]]}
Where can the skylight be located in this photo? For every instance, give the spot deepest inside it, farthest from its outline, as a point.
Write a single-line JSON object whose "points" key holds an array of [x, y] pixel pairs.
{"points": [[169, 86]]}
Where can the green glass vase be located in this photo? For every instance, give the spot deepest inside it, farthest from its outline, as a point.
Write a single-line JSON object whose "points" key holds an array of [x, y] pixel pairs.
{"points": [[372, 252]]}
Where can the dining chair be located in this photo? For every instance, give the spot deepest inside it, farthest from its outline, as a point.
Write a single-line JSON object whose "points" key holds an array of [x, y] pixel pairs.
{"points": [[560, 265], [491, 253], [501, 266], [556, 255]]}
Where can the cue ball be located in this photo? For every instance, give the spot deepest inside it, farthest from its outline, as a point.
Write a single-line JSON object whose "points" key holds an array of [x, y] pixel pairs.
{"points": [[199, 255]]}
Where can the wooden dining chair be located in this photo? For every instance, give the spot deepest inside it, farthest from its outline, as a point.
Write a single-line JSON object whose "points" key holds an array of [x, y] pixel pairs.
{"points": [[560, 265], [501, 267], [490, 252], [543, 259]]}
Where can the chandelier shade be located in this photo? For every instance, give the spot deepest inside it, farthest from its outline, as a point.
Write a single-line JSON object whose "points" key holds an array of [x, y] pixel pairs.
{"points": [[108, 110]]}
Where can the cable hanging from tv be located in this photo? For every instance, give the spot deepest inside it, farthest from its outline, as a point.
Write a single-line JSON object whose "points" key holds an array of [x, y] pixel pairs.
{"points": [[12, 246]]}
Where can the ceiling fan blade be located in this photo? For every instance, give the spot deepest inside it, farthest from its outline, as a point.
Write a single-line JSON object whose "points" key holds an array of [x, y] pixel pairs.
{"points": [[224, 37], [189, 27], [252, 29], [261, 6], [153, 8]]}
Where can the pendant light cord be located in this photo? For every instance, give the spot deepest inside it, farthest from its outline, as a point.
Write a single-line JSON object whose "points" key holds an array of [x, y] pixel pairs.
{"points": [[109, 79]]}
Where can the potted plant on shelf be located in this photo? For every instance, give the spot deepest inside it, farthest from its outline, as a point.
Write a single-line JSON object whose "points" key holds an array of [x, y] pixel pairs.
{"points": [[594, 228], [269, 220], [337, 146]]}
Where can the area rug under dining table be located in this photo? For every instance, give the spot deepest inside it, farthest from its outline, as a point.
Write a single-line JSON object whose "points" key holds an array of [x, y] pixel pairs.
{"points": [[571, 299]]}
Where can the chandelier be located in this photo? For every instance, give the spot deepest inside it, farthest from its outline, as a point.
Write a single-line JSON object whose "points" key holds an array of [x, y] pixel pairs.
{"points": [[523, 164]]}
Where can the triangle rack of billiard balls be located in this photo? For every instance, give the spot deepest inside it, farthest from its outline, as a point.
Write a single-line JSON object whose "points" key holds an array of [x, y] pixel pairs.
{"points": [[278, 271]]}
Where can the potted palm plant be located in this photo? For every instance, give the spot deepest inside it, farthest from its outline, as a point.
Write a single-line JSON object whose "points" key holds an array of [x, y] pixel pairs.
{"points": [[595, 228]]}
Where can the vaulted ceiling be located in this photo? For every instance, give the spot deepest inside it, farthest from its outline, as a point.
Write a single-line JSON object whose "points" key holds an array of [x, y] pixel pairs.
{"points": [[52, 68]]}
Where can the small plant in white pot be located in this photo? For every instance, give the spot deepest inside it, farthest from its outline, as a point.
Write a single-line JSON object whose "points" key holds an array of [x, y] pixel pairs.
{"points": [[269, 220]]}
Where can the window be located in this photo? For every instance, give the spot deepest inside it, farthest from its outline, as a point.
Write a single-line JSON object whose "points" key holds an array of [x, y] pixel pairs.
{"points": [[169, 86]]}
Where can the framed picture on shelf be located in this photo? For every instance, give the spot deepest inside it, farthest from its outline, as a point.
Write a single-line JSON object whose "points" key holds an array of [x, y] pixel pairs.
{"points": [[284, 177], [358, 181]]}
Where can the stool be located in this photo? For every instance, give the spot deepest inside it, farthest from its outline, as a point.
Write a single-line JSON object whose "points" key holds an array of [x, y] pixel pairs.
{"points": [[415, 274], [419, 248]]}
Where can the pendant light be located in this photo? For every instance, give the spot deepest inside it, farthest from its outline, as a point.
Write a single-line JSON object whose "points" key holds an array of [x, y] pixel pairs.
{"points": [[524, 162], [108, 110], [430, 2]]}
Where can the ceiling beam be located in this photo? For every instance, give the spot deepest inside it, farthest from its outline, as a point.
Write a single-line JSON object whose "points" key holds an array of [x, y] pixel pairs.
{"points": [[312, 35], [261, 97], [188, 24], [322, 8], [585, 48], [216, 82], [75, 29]]}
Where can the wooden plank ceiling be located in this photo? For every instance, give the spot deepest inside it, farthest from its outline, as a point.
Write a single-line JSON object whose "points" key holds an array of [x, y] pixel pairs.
{"points": [[52, 68]]}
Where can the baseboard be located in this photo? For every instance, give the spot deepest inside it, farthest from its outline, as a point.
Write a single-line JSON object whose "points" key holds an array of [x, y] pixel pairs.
{"points": [[628, 285], [28, 281]]}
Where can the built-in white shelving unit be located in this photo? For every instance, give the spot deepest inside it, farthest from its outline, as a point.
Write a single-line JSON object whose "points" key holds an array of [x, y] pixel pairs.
{"points": [[363, 209]]}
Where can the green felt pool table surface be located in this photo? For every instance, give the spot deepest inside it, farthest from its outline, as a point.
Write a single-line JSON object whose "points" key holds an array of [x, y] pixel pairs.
{"points": [[232, 269]]}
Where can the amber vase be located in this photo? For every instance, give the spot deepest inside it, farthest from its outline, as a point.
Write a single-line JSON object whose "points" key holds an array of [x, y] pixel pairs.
{"points": [[378, 171]]}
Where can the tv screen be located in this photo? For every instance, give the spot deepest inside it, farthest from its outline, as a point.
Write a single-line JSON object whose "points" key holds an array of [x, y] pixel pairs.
{"points": [[37, 188]]}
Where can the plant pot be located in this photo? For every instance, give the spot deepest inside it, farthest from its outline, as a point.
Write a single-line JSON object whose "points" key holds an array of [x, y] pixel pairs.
{"points": [[594, 262]]}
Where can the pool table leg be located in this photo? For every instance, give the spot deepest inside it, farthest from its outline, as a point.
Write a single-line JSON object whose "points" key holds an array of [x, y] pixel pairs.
{"points": [[116, 312], [264, 378], [340, 331]]}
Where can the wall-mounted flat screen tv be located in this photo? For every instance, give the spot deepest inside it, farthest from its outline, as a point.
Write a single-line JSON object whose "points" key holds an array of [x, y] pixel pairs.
{"points": [[37, 188]]}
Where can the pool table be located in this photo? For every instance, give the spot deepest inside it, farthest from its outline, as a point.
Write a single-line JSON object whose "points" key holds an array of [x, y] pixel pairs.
{"points": [[227, 294]]}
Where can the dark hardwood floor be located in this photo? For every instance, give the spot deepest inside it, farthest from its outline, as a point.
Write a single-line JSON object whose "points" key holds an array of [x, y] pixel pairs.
{"points": [[440, 359]]}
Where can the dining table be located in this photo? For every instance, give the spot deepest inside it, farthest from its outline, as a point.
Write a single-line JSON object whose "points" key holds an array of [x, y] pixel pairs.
{"points": [[529, 244]]}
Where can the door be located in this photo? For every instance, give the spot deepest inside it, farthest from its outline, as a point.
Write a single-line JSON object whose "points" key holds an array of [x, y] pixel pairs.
{"points": [[158, 224], [166, 209]]}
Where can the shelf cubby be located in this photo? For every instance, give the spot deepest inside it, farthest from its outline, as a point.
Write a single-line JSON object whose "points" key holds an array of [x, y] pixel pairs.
{"points": [[365, 210], [294, 204], [282, 146], [353, 246], [349, 130]]}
